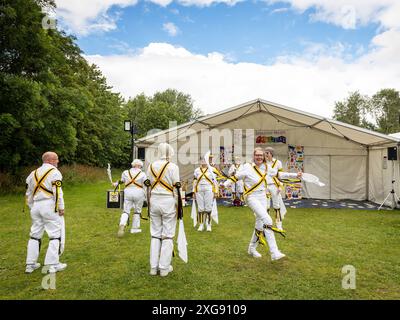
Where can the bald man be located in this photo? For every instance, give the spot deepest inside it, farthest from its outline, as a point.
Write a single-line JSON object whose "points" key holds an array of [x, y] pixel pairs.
{"points": [[45, 199]]}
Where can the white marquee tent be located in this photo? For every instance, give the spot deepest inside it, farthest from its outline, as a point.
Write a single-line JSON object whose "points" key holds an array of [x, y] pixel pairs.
{"points": [[350, 160]]}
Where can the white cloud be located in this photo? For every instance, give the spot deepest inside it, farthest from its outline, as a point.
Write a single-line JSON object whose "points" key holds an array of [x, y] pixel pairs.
{"points": [[162, 3], [198, 3], [310, 82], [349, 13], [86, 16], [171, 29], [279, 10], [205, 3]]}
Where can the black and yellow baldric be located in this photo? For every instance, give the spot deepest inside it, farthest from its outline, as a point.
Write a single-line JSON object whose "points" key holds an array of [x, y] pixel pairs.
{"points": [[133, 180], [39, 183], [292, 182], [158, 178], [218, 174], [234, 179], [281, 232], [203, 175], [260, 237], [262, 179], [275, 179], [58, 185]]}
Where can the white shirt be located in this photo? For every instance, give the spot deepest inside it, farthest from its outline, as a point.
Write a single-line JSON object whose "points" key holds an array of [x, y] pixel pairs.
{"points": [[250, 177], [273, 171], [234, 168], [170, 176], [139, 179], [203, 181], [47, 183]]}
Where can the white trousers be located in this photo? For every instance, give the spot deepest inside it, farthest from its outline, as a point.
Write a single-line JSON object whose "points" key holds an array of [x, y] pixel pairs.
{"points": [[44, 219], [133, 199], [162, 229], [257, 201], [238, 185], [277, 203], [275, 195], [204, 198]]}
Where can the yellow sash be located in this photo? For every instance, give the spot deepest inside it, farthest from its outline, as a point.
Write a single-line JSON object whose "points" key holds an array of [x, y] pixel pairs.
{"points": [[158, 178], [203, 174], [133, 180], [247, 191], [39, 182]]}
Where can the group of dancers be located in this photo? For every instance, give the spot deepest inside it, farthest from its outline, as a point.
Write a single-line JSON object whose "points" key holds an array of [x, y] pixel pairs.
{"points": [[257, 183], [160, 186]]}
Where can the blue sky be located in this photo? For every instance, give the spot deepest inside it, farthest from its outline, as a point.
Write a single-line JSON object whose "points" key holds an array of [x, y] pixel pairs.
{"points": [[306, 54], [249, 31]]}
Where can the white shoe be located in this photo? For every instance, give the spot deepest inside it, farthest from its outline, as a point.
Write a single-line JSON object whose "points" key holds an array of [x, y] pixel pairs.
{"points": [[153, 271], [164, 273], [253, 252], [136, 230], [57, 267], [209, 227], [32, 267], [121, 231], [277, 256], [201, 228]]}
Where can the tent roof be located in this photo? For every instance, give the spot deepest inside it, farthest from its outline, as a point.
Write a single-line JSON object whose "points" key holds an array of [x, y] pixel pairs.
{"points": [[286, 115]]}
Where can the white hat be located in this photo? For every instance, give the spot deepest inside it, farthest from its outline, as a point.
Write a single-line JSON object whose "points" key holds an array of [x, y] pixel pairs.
{"points": [[137, 162], [270, 150], [165, 151]]}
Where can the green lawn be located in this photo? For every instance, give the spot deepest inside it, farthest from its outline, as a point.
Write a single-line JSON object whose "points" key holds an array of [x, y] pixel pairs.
{"points": [[100, 266]]}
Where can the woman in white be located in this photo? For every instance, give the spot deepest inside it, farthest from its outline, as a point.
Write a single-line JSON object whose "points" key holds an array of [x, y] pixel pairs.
{"points": [[204, 189], [254, 178], [274, 186], [134, 196]]}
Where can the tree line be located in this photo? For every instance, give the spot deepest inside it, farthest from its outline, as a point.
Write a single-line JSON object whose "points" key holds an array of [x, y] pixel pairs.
{"points": [[51, 98], [380, 113]]}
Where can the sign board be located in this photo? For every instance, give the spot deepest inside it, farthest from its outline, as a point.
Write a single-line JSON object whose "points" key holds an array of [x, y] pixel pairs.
{"points": [[115, 199]]}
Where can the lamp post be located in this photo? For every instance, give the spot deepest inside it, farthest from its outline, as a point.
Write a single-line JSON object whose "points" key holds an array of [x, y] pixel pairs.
{"points": [[128, 126]]}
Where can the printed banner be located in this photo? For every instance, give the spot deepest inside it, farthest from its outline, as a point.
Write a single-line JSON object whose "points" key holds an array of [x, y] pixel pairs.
{"points": [[222, 155], [295, 163], [296, 158], [269, 136]]}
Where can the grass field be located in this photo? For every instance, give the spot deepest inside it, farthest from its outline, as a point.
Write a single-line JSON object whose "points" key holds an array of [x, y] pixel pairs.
{"points": [[101, 266]]}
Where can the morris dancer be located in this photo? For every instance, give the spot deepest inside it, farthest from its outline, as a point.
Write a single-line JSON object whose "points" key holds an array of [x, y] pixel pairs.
{"points": [[254, 178], [134, 196], [204, 190], [274, 186], [237, 188], [45, 199], [163, 177]]}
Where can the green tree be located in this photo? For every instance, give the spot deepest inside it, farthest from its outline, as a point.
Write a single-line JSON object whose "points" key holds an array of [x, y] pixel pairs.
{"points": [[156, 112], [354, 110], [50, 98], [385, 105]]}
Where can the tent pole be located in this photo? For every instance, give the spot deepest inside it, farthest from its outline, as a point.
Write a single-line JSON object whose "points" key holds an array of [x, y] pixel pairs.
{"points": [[330, 176], [367, 175]]}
